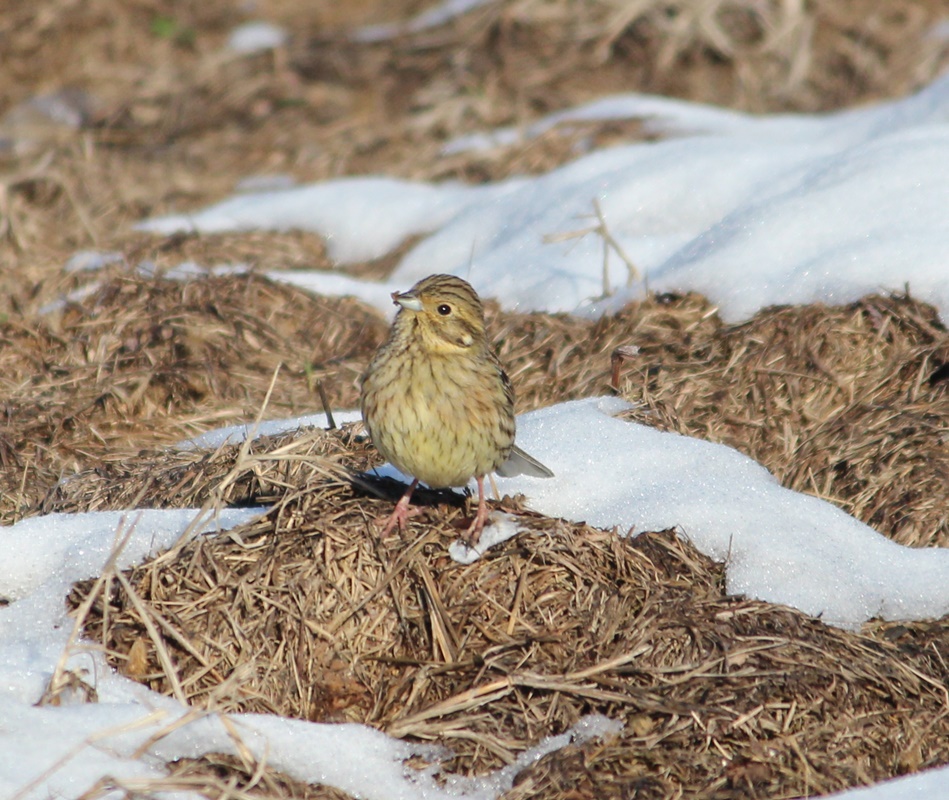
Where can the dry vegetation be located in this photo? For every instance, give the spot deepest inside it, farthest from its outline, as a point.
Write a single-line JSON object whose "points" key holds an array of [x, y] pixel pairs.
{"points": [[306, 613]]}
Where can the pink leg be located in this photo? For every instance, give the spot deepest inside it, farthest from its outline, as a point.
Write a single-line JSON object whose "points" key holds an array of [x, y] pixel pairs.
{"points": [[401, 512], [473, 534]]}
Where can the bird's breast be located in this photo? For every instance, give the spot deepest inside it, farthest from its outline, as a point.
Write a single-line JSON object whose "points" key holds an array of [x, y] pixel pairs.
{"points": [[440, 419]]}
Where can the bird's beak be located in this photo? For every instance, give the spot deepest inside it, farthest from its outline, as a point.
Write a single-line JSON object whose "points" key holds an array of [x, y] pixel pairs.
{"points": [[407, 300]]}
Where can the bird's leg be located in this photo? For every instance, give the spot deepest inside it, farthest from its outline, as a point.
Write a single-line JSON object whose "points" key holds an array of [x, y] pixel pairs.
{"points": [[473, 534], [401, 512]]}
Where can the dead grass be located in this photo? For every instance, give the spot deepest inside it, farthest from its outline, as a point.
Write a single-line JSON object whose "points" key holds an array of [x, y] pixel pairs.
{"points": [[227, 778], [168, 120], [847, 403], [307, 613], [145, 361], [843, 403]]}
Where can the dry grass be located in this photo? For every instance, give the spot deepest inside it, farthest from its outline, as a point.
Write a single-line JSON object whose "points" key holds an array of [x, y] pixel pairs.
{"points": [[169, 120], [307, 613], [144, 361], [847, 403]]}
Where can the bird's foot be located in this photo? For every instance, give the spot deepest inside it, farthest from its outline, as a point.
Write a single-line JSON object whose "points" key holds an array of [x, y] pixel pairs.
{"points": [[472, 536], [399, 515], [397, 519]]}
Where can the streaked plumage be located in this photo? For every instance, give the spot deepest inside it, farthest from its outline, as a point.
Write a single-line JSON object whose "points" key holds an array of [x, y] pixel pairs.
{"points": [[436, 400]]}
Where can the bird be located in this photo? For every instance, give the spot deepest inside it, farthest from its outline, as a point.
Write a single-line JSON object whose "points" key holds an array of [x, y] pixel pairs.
{"points": [[436, 401]]}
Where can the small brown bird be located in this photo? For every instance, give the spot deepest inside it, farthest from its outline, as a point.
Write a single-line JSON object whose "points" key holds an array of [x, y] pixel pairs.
{"points": [[436, 401]]}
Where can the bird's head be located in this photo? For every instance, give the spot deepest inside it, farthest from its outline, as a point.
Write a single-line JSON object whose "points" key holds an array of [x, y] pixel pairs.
{"points": [[445, 312]]}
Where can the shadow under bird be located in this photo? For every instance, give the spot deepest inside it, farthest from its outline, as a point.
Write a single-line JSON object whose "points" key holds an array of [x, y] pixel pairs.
{"points": [[436, 401]]}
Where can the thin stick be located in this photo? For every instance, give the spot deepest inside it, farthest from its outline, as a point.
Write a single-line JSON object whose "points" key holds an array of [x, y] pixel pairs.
{"points": [[164, 657], [326, 406], [56, 679]]}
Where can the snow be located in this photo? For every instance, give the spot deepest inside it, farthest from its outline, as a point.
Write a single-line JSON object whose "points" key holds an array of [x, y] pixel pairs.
{"points": [[430, 18], [40, 558], [71, 547], [361, 218], [751, 211], [500, 528], [235, 434], [778, 545], [930, 785], [252, 37], [92, 260]]}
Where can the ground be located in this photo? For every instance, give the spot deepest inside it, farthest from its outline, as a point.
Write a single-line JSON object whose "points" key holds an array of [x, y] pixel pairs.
{"points": [[725, 697]]}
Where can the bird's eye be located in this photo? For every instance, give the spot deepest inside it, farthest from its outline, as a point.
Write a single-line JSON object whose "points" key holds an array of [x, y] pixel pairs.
{"points": [[444, 309]]}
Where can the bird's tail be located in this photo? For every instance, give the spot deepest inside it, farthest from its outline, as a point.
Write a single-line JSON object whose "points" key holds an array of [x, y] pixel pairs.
{"points": [[521, 463]]}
